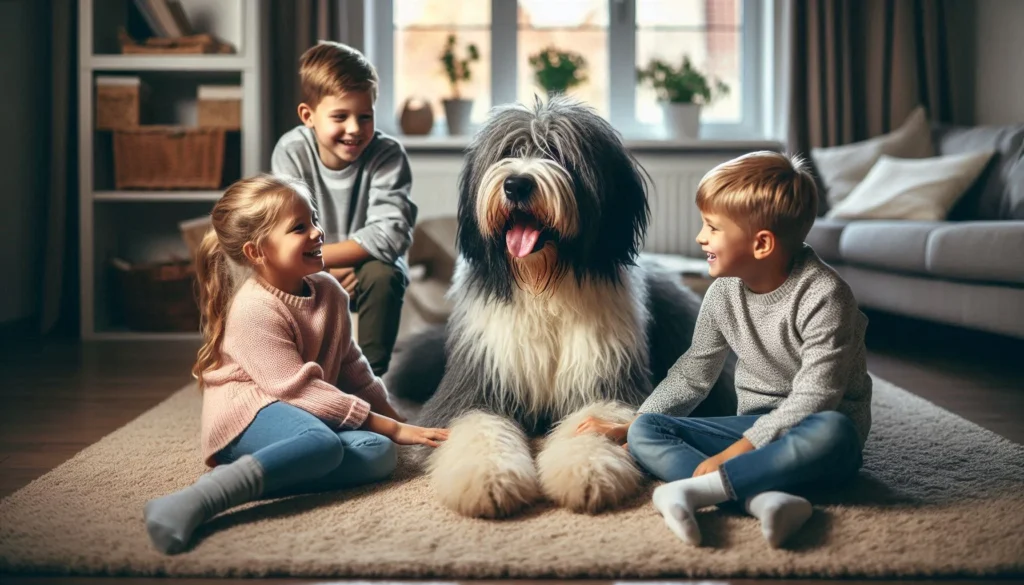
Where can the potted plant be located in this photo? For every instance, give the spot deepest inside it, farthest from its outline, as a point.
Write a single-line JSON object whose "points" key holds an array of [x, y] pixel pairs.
{"points": [[682, 92], [558, 71], [456, 108]]}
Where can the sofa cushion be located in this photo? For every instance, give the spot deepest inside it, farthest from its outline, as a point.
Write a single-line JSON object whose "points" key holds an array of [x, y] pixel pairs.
{"points": [[824, 238], [842, 167], [1013, 199], [991, 251], [900, 246], [921, 189], [999, 191]]}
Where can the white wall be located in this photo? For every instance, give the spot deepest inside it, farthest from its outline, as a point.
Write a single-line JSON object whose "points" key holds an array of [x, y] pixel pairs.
{"points": [[999, 81], [22, 155]]}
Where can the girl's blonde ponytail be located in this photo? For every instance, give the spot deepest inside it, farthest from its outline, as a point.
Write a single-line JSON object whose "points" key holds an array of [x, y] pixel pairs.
{"points": [[215, 288]]}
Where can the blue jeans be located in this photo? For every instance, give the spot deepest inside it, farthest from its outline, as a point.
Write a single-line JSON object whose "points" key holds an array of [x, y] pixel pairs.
{"points": [[822, 451], [299, 453]]}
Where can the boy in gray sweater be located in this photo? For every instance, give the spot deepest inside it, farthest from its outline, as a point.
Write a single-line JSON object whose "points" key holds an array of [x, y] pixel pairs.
{"points": [[360, 180], [802, 386]]}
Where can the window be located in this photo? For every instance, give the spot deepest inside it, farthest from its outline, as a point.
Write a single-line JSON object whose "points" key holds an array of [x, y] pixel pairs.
{"points": [[706, 30], [723, 37], [421, 29], [577, 25]]}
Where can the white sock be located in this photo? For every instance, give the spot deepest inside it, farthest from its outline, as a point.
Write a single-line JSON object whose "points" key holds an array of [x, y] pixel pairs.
{"points": [[781, 514], [679, 500]]}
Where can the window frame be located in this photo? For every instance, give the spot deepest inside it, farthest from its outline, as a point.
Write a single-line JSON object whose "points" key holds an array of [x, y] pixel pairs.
{"points": [[756, 55]]}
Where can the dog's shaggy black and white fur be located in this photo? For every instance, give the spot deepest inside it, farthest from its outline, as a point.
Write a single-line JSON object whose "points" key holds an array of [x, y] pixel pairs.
{"points": [[553, 318]]}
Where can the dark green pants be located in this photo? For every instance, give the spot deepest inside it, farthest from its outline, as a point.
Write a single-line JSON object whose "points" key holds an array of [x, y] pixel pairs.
{"points": [[378, 300]]}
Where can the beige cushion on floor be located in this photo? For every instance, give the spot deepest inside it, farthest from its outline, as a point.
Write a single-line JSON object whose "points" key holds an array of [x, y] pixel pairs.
{"points": [[842, 168], [918, 189]]}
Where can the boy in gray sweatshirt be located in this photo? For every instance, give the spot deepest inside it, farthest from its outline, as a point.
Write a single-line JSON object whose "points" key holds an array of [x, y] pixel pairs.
{"points": [[802, 387], [360, 181]]}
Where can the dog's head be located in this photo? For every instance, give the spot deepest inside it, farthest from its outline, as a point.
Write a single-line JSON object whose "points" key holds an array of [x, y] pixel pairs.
{"points": [[546, 191]]}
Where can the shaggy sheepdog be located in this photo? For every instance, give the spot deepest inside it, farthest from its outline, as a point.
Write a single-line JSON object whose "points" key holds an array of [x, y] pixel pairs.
{"points": [[553, 319]]}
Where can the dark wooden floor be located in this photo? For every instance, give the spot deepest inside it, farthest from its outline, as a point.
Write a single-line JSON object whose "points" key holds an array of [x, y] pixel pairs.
{"points": [[59, 396]]}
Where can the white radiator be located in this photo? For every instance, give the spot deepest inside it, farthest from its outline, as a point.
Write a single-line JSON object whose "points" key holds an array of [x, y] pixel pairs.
{"points": [[675, 219]]}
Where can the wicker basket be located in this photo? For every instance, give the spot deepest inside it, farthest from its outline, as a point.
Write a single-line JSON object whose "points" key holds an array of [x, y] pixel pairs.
{"points": [[118, 105], [168, 157], [157, 296], [226, 114]]}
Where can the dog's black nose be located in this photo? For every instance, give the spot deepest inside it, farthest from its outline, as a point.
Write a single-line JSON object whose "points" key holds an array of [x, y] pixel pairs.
{"points": [[518, 188]]}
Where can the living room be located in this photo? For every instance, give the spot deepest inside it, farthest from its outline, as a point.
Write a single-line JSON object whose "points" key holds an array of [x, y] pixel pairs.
{"points": [[128, 119]]}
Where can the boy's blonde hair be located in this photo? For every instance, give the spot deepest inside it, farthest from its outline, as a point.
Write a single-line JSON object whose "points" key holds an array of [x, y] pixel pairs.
{"points": [[331, 68], [763, 191], [247, 212]]}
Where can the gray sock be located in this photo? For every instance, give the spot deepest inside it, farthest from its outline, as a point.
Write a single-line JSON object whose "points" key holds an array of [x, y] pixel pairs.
{"points": [[171, 519]]}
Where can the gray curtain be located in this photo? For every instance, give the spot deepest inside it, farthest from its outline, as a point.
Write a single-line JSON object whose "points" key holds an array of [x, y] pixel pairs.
{"points": [[858, 67], [59, 272], [294, 27]]}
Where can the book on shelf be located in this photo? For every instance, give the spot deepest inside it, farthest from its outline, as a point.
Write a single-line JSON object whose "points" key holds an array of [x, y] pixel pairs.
{"points": [[165, 18]]}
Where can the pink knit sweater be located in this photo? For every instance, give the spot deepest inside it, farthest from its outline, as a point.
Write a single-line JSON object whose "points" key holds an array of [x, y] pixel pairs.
{"points": [[282, 347]]}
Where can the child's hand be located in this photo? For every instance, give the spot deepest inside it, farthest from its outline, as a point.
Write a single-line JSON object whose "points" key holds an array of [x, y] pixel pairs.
{"points": [[347, 278], [616, 432], [709, 465], [713, 463], [413, 435]]}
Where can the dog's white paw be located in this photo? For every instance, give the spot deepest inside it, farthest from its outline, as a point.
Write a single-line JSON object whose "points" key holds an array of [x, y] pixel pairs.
{"points": [[587, 473], [484, 469]]}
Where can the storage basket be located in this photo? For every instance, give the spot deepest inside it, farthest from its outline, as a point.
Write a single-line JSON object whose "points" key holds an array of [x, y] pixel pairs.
{"points": [[157, 296], [118, 102], [220, 107], [168, 157]]}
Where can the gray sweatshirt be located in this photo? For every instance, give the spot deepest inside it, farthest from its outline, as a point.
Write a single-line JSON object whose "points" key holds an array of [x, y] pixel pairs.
{"points": [[800, 349], [382, 215]]}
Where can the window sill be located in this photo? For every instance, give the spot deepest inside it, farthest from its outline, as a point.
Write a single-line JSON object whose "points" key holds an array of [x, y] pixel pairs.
{"points": [[446, 144]]}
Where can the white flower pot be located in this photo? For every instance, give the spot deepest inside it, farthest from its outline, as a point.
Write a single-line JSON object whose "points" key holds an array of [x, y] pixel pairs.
{"points": [[682, 121], [456, 113]]}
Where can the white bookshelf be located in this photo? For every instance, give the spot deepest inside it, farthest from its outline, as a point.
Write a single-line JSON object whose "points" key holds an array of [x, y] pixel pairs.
{"points": [[143, 225]]}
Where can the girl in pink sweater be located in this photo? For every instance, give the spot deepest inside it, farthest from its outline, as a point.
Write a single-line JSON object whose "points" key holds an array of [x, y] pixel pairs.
{"points": [[289, 402]]}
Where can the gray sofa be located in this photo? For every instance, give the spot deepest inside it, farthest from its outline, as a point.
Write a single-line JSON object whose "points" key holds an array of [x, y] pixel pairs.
{"points": [[966, 271]]}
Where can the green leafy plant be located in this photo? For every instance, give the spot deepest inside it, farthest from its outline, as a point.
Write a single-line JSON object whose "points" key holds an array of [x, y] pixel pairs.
{"points": [[556, 71], [458, 69], [681, 85]]}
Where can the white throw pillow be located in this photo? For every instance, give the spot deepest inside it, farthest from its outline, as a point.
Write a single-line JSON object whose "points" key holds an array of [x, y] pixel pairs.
{"points": [[843, 167], [918, 189]]}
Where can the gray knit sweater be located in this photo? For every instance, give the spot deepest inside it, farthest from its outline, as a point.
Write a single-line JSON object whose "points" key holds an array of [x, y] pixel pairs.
{"points": [[380, 180], [800, 349]]}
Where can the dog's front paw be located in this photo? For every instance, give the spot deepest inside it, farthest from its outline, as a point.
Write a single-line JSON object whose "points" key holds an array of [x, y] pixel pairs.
{"points": [[587, 473], [484, 469]]}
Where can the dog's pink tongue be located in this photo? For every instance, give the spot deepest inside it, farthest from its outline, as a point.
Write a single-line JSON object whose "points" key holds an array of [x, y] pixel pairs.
{"points": [[521, 239]]}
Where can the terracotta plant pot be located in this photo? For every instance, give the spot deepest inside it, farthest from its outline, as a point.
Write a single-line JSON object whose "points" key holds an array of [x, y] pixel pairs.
{"points": [[417, 117]]}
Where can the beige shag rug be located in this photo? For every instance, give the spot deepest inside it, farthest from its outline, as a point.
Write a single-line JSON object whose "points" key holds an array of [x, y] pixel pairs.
{"points": [[938, 496]]}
